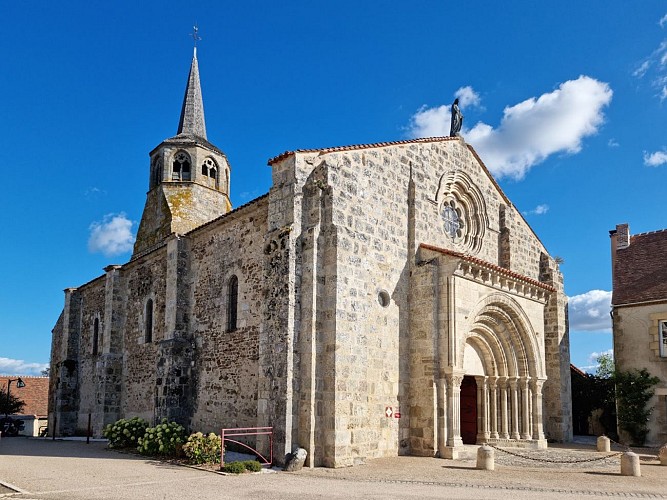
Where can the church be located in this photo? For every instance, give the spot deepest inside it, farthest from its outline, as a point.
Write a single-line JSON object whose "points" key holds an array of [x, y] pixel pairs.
{"points": [[380, 300]]}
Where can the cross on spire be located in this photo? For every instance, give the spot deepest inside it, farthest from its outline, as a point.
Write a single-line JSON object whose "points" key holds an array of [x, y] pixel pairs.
{"points": [[195, 34]]}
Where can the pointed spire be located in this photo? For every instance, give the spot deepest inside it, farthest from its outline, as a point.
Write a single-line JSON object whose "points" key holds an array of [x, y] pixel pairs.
{"points": [[192, 114]]}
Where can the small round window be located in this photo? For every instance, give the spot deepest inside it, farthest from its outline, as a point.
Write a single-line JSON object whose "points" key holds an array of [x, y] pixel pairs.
{"points": [[383, 298]]}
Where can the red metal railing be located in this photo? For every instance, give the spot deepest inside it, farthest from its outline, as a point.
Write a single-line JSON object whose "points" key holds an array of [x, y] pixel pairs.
{"points": [[225, 434]]}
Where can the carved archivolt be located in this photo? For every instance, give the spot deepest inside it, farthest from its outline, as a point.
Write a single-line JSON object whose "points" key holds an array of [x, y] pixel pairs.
{"points": [[462, 210], [501, 330]]}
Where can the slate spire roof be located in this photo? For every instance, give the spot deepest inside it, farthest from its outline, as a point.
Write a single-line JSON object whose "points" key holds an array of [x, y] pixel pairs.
{"points": [[192, 113]]}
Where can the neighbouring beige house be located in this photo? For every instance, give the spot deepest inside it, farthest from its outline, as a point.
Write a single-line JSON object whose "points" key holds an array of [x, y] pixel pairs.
{"points": [[35, 395], [380, 299], [639, 313]]}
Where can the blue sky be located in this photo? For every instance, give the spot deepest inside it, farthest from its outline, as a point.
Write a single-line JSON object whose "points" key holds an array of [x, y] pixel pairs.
{"points": [[564, 101]]}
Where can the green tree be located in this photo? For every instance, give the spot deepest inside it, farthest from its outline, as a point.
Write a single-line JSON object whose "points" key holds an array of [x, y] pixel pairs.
{"points": [[605, 367], [603, 394], [10, 405]]}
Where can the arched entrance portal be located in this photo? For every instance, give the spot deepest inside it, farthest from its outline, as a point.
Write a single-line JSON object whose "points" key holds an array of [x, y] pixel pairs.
{"points": [[469, 410], [503, 376]]}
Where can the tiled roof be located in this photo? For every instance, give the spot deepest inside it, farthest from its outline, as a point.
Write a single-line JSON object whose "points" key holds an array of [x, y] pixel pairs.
{"points": [[493, 267], [35, 394], [640, 273], [359, 146], [581, 373]]}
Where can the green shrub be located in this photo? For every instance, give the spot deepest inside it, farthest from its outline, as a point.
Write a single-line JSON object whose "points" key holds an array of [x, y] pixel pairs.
{"points": [[203, 449], [234, 467], [634, 390], [252, 465], [125, 433], [165, 439]]}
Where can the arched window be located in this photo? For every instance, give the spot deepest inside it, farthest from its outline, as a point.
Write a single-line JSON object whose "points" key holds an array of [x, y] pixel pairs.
{"points": [[181, 167], [210, 169], [96, 336], [148, 322], [157, 174], [232, 302]]}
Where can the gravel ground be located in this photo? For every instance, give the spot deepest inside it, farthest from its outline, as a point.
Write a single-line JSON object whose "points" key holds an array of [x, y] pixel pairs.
{"points": [[59, 470]]}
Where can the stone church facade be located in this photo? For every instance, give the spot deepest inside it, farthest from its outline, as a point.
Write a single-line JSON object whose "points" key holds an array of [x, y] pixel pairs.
{"points": [[379, 300]]}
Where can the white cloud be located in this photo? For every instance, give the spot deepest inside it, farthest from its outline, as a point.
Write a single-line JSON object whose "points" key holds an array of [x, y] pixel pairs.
{"points": [[530, 131], [655, 159], [538, 210], [662, 21], [10, 367], [435, 122], [112, 236], [93, 193], [642, 69], [467, 97], [593, 357], [430, 122], [612, 143], [589, 311], [654, 67]]}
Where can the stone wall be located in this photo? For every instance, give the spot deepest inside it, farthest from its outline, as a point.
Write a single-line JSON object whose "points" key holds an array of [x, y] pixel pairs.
{"points": [[227, 361], [558, 387], [144, 278], [92, 307]]}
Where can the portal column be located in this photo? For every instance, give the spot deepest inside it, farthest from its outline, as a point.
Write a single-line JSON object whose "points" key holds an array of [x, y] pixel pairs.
{"points": [[454, 409], [514, 402], [493, 410], [504, 415], [482, 420], [525, 409], [538, 427]]}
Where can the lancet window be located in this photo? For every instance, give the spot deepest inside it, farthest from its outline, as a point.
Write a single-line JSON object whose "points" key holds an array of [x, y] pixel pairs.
{"points": [[96, 336], [181, 167], [232, 303], [148, 322], [210, 169]]}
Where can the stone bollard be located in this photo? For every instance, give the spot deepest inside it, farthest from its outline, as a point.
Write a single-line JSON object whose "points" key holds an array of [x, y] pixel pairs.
{"points": [[663, 455], [486, 458], [630, 464], [604, 444]]}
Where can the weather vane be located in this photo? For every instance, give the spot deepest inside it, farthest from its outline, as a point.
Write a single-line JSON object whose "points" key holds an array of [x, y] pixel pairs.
{"points": [[195, 34]]}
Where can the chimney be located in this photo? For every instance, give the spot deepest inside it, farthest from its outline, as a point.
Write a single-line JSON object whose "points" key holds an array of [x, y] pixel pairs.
{"points": [[622, 236]]}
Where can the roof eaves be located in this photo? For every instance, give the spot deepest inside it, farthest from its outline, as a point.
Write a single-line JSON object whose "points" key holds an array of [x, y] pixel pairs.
{"points": [[493, 267]]}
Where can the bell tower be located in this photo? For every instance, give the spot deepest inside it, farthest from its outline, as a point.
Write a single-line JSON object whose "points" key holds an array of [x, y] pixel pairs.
{"points": [[189, 177]]}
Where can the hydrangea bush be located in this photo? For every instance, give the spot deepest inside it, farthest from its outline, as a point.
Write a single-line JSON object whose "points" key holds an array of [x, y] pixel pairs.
{"points": [[165, 439], [202, 448], [125, 433]]}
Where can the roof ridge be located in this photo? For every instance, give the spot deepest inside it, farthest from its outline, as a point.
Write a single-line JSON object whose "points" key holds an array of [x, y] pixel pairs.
{"points": [[651, 232], [352, 147]]}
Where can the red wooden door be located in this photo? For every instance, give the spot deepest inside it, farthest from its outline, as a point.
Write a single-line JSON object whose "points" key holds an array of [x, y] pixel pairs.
{"points": [[469, 410]]}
